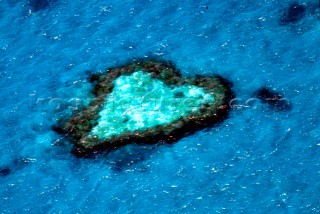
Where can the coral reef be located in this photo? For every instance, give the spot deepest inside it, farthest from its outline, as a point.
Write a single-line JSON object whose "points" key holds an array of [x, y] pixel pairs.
{"points": [[145, 102], [5, 171], [38, 5], [295, 13], [272, 98]]}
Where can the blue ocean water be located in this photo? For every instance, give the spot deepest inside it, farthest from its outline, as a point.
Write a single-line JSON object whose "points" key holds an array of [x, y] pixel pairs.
{"points": [[257, 161]]}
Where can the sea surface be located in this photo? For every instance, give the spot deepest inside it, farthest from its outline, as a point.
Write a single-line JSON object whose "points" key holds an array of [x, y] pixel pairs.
{"points": [[259, 160]]}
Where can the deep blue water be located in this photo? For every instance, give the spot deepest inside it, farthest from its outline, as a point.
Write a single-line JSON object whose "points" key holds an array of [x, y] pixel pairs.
{"points": [[257, 161]]}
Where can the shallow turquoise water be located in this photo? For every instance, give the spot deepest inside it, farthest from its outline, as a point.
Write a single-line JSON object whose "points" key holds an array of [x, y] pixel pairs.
{"points": [[259, 160]]}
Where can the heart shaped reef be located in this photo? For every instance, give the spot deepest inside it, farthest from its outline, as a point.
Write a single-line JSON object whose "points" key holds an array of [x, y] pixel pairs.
{"points": [[146, 102]]}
